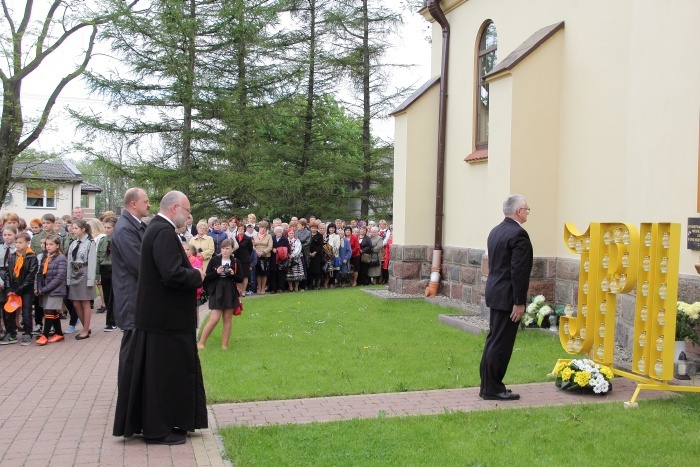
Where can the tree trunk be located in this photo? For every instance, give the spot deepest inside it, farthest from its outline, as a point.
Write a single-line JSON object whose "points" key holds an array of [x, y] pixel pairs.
{"points": [[308, 119], [366, 109], [189, 86], [10, 132]]}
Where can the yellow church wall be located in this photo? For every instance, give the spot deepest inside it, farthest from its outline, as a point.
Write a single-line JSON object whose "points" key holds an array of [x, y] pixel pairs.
{"points": [[629, 129], [624, 145], [415, 166], [534, 154]]}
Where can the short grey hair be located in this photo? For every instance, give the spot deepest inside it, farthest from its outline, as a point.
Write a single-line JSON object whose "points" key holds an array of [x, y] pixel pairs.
{"points": [[278, 229], [512, 203], [170, 199]]}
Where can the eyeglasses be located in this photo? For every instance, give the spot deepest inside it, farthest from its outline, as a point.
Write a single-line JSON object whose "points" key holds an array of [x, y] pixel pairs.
{"points": [[184, 208], [527, 209]]}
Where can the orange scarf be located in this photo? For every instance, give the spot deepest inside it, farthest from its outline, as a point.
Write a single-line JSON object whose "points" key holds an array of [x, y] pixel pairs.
{"points": [[46, 264], [20, 261]]}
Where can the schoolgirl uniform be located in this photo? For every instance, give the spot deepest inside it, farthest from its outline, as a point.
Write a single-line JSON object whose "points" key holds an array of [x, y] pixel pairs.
{"points": [[82, 267], [222, 290], [22, 273], [51, 286], [5, 252]]}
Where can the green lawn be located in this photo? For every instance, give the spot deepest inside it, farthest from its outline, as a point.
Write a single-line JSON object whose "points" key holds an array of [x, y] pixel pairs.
{"points": [[659, 432], [344, 341]]}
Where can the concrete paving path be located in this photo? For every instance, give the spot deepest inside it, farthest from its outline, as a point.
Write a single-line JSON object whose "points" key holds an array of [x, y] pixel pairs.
{"points": [[324, 409], [57, 407]]}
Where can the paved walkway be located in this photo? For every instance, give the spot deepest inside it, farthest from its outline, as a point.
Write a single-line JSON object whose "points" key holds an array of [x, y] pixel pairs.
{"points": [[57, 407], [324, 409]]}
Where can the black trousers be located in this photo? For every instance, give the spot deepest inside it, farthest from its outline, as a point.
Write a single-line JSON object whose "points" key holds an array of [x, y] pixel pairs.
{"points": [[71, 309], [26, 311], [497, 351], [277, 279], [362, 277], [107, 299], [38, 311]]}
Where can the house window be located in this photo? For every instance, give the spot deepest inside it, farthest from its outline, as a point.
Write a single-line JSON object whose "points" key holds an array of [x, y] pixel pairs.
{"points": [[84, 200], [41, 198], [486, 60]]}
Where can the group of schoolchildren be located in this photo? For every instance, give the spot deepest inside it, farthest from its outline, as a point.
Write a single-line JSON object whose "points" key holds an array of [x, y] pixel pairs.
{"points": [[47, 272]]}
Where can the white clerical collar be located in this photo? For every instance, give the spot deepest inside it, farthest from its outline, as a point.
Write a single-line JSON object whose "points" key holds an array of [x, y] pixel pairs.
{"points": [[171, 222]]}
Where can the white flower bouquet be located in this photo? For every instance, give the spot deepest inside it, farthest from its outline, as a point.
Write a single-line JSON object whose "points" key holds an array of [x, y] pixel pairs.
{"points": [[536, 313]]}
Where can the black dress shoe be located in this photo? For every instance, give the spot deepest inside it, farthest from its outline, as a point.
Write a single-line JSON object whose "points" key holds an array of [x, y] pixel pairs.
{"points": [[501, 396], [171, 439], [79, 337], [481, 394]]}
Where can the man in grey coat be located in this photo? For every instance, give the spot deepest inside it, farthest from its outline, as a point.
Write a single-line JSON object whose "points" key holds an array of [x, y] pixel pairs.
{"points": [[126, 258]]}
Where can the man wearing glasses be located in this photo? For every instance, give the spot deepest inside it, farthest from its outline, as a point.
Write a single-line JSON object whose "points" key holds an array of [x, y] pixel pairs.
{"points": [[510, 261]]}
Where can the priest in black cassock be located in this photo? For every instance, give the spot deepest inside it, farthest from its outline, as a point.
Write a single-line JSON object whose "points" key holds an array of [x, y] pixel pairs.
{"points": [[166, 399]]}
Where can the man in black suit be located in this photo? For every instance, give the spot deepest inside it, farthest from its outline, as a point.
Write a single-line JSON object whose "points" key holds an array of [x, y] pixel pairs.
{"points": [[510, 263], [166, 398], [126, 254]]}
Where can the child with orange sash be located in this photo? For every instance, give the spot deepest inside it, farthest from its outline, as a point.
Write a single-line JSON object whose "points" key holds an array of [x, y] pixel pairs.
{"points": [[51, 289], [22, 273]]}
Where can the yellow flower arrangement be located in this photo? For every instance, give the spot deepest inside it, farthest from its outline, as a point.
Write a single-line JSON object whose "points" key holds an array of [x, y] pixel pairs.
{"points": [[583, 376], [607, 372], [566, 374], [687, 320], [558, 367]]}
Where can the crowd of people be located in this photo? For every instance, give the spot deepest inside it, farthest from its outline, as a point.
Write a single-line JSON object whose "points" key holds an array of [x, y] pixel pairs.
{"points": [[302, 254], [50, 269], [53, 268], [152, 274]]}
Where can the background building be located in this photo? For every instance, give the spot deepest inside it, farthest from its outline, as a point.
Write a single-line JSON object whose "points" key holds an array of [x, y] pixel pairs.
{"points": [[591, 110], [49, 187]]}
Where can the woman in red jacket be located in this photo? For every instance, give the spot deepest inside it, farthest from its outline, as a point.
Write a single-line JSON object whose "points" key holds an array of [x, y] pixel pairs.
{"points": [[356, 253]]}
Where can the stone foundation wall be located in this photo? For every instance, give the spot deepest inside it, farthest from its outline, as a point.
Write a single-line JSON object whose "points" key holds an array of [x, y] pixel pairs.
{"points": [[464, 273], [567, 292]]}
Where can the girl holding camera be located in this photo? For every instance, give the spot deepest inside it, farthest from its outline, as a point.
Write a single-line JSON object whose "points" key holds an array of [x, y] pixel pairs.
{"points": [[222, 275]]}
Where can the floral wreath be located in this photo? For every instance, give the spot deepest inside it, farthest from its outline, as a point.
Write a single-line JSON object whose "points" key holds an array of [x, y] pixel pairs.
{"points": [[583, 375]]}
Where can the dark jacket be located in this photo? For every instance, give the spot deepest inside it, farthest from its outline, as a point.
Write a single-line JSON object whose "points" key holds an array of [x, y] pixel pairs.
{"points": [[53, 283], [366, 244], [166, 297], [213, 277], [24, 283], [245, 249], [278, 243], [510, 263], [218, 236], [66, 240], [304, 236], [316, 246], [126, 257]]}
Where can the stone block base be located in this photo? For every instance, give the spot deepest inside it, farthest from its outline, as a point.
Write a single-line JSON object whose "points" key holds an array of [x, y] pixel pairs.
{"points": [[464, 272]]}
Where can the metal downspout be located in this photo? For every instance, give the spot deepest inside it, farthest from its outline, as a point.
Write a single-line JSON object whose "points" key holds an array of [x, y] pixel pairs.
{"points": [[439, 16]]}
